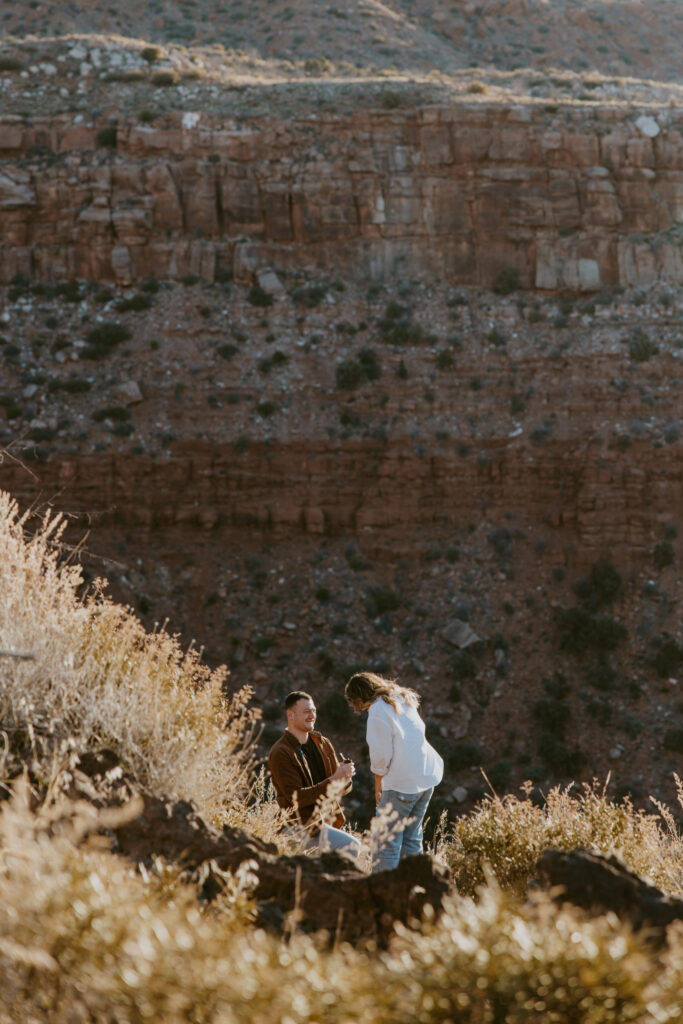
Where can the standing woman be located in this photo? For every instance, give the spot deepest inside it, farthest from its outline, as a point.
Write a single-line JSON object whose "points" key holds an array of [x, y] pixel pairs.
{"points": [[406, 767]]}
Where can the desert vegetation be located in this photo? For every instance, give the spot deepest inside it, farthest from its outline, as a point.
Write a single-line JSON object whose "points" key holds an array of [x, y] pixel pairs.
{"points": [[87, 936]]}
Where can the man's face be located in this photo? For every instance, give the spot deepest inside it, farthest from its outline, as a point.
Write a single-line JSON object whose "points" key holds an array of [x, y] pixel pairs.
{"points": [[302, 715]]}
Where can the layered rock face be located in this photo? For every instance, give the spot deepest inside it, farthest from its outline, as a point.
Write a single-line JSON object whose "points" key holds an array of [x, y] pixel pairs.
{"points": [[387, 493], [571, 199]]}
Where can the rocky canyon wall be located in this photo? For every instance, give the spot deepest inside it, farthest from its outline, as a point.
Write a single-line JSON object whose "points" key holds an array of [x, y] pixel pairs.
{"points": [[580, 504], [570, 198]]}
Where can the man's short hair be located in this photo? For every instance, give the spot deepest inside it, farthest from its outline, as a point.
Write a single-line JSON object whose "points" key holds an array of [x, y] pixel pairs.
{"points": [[294, 697]]}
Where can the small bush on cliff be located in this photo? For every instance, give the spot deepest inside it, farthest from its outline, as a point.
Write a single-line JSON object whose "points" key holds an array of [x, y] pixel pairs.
{"points": [[462, 666], [641, 347], [151, 53], [10, 64], [663, 554], [398, 327], [348, 375], [310, 295], [335, 710], [267, 408], [106, 136], [391, 99], [673, 740], [115, 413], [103, 338], [258, 297], [600, 673], [164, 79], [552, 714], [70, 291], [464, 755], [581, 632], [379, 599], [601, 587], [507, 281], [668, 658], [351, 373], [135, 303]]}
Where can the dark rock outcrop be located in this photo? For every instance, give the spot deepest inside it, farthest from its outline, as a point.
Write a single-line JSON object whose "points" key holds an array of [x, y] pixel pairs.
{"points": [[326, 892], [599, 883]]}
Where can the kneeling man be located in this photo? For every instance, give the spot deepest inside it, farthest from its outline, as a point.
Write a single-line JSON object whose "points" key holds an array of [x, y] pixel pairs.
{"points": [[302, 764]]}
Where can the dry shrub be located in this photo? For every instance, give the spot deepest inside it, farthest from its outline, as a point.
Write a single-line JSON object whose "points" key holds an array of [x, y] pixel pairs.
{"points": [[95, 679], [510, 834], [83, 937]]}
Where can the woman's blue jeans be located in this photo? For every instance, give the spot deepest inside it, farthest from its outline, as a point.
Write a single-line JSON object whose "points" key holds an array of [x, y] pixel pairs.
{"points": [[411, 808]]}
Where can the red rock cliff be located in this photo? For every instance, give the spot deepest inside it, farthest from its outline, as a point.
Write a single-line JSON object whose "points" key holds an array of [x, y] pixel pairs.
{"points": [[573, 199]]}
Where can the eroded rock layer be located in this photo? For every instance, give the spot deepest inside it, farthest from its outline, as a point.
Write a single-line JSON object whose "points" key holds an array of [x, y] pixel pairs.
{"points": [[598, 502], [567, 198]]}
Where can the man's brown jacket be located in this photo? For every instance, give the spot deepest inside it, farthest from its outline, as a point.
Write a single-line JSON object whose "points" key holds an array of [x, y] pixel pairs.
{"points": [[291, 775]]}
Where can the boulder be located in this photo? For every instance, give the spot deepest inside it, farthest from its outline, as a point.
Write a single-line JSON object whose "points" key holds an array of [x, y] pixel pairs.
{"points": [[326, 892], [601, 883], [460, 634], [128, 392]]}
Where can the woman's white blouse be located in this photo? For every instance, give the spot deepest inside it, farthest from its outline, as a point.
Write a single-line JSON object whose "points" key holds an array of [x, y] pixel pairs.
{"points": [[399, 751]]}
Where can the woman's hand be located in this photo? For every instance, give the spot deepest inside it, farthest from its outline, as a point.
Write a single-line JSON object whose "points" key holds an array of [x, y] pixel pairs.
{"points": [[378, 788]]}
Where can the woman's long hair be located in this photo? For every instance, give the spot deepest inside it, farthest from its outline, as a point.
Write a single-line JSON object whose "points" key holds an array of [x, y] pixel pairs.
{"points": [[368, 686]]}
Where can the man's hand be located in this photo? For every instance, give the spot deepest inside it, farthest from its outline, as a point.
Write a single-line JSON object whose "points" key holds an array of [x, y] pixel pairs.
{"points": [[344, 771], [378, 788]]}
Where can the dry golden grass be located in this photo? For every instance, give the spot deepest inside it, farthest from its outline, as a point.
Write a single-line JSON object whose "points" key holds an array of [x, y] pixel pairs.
{"points": [[510, 834], [95, 679]]}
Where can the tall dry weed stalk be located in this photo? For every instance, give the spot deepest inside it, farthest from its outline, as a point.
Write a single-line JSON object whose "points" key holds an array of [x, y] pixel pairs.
{"points": [[90, 678]]}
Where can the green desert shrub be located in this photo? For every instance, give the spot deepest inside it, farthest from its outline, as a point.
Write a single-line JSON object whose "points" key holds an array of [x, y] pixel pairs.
{"points": [[106, 136], [164, 78], [462, 666], [379, 599], [601, 587], [101, 340], [552, 714], [351, 373], [10, 64], [257, 296], [641, 347], [580, 631], [464, 755], [668, 658], [397, 326], [151, 53], [135, 303], [507, 281], [663, 554]]}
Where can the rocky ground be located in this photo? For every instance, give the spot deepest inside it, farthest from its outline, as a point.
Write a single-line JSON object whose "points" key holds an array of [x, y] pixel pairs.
{"points": [[285, 57], [611, 37]]}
